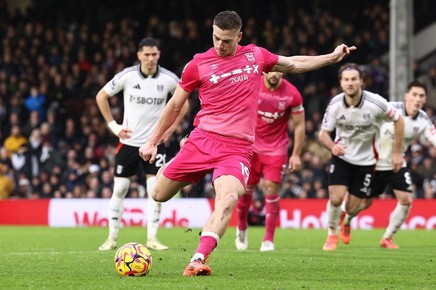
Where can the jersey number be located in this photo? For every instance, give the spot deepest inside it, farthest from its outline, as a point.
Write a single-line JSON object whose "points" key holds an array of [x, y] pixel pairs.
{"points": [[245, 171], [366, 183], [407, 178], [160, 160]]}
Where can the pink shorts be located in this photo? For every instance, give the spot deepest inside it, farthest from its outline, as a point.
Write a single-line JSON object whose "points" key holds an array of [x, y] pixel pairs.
{"points": [[271, 167], [206, 152]]}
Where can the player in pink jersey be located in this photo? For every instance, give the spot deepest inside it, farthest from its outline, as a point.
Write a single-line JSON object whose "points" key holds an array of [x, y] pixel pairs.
{"points": [[227, 77], [279, 101]]}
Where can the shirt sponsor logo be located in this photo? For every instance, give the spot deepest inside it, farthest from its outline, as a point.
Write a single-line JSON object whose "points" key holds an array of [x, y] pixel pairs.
{"points": [[144, 100], [357, 127], [270, 117], [235, 74]]}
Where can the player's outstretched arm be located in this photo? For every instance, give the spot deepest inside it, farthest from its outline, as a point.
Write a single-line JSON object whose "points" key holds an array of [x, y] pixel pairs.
{"points": [[304, 63]]}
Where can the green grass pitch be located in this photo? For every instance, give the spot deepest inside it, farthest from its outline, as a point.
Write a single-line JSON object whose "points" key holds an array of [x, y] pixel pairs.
{"points": [[67, 258]]}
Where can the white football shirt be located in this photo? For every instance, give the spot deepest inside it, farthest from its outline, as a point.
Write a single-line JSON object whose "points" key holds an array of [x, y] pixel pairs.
{"points": [[144, 99], [356, 127], [414, 127]]}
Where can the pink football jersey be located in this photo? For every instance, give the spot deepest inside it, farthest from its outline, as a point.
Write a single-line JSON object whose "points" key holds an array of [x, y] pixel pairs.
{"points": [[273, 115], [228, 89]]}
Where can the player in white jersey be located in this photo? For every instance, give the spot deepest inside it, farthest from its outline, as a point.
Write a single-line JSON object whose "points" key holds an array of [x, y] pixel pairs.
{"points": [[146, 88], [417, 124], [356, 116], [227, 77]]}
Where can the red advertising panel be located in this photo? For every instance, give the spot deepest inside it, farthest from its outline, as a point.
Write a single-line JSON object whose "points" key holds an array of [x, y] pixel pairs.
{"points": [[24, 212], [312, 214], [294, 213]]}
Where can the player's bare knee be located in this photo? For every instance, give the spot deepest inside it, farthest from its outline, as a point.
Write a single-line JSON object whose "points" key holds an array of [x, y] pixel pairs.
{"points": [[335, 200], [404, 198], [158, 196], [367, 203], [231, 197], [406, 201]]}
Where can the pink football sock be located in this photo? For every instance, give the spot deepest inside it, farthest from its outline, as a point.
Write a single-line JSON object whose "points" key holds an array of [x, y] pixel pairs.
{"points": [[208, 242], [243, 205], [272, 216]]}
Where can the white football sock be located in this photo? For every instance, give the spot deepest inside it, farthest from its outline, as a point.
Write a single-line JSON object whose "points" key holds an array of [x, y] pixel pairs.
{"points": [[343, 208], [116, 205], [333, 215], [396, 219], [153, 210]]}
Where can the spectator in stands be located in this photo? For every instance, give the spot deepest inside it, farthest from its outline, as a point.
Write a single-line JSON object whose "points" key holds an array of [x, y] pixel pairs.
{"points": [[134, 191], [71, 180], [47, 191], [35, 144], [7, 184], [35, 183], [32, 123], [55, 182], [427, 169], [54, 123], [106, 192], [70, 134], [4, 159], [47, 133], [14, 142], [18, 114], [106, 179], [36, 102], [22, 161], [49, 156], [429, 187], [291, 187], [3, 112], [24, 189]]}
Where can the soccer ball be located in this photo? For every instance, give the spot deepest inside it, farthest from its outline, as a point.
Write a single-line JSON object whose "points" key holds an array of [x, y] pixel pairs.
{"points": [[133, 259]]}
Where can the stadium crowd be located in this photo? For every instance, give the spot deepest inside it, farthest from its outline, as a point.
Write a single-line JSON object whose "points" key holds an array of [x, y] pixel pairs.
{"points": [[56, 144]]}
